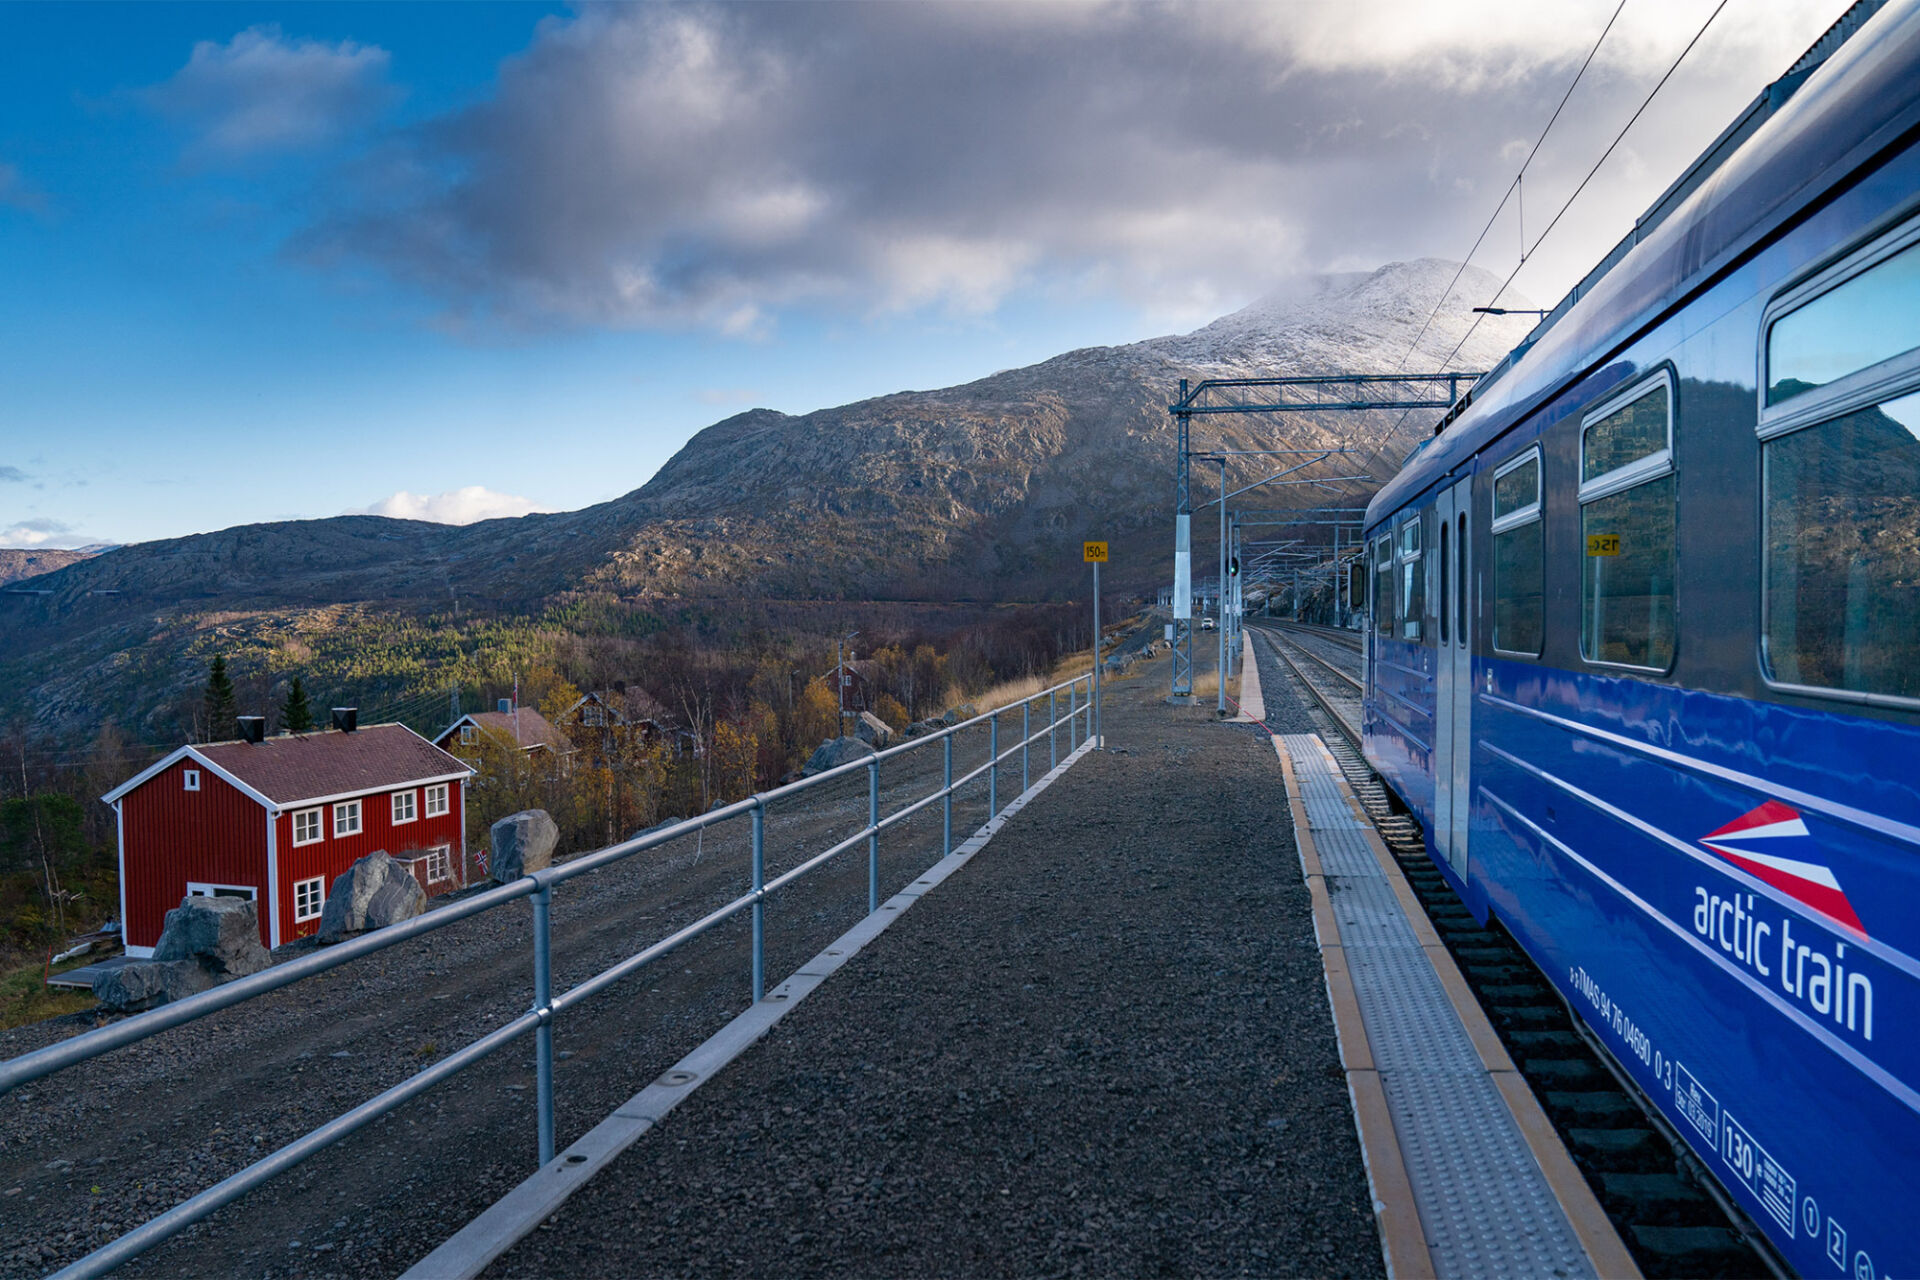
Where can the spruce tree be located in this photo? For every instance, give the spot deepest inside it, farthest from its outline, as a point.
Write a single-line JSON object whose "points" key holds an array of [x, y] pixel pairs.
{"points": [[296, 716], [219, 702]]}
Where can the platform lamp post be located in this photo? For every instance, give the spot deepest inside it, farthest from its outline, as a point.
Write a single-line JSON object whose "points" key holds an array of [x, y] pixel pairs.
{"points": [[1095, 554]]}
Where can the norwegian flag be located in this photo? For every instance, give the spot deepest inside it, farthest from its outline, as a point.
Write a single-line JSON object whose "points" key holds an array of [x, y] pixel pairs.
{"points": [[1760, 841]]}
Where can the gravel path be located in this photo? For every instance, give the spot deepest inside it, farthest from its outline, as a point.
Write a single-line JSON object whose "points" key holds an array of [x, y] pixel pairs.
{"points": [[1102, 1048]]}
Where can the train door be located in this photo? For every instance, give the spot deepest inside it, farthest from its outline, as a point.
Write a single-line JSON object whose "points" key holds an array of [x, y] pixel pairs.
{"points": [[1453, 676]]}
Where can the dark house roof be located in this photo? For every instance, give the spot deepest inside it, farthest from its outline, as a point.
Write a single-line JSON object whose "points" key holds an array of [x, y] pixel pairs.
{"points": [[302, 768]]}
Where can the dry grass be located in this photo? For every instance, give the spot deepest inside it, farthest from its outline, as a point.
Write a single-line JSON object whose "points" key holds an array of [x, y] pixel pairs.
{"points": [[25, 997], [1206, 682]]}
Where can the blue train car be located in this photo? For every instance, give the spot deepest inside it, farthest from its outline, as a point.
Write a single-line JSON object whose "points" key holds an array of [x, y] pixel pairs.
{"points": [[1644, 659]]}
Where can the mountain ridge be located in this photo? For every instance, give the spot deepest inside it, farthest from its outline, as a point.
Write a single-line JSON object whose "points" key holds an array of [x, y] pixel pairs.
{"points": [[970, 491]]}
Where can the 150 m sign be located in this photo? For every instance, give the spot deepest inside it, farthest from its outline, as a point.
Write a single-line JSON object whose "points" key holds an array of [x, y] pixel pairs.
{"points": [[1093, 552], [1603, 544]]}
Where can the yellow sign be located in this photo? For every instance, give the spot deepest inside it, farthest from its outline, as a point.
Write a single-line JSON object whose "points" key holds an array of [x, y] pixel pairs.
{"points": [[1094, 552], [1603, 544]]}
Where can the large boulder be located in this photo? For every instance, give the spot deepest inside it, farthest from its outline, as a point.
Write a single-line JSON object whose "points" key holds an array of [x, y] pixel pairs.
{"points": [[144, 984], [222, 935], [920, 728], [373, 893], [522, 844], [833, 753], [962, 711], [872, 730]]}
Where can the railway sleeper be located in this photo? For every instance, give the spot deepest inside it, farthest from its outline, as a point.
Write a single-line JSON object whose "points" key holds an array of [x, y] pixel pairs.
{"points": [[1656, 1199], [1696, 1250], [1627, 1149]]}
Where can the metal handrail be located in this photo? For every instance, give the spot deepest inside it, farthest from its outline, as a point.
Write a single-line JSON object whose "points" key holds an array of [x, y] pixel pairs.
{"points": [[538, 886]]}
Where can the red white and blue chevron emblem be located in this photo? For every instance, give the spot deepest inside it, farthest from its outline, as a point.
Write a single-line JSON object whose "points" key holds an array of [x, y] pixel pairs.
{"points": [[1772, 843]]}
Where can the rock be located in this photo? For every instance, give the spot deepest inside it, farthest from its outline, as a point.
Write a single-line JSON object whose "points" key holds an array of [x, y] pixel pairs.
{"points": [[955, 714], [834, 752], [222, 935], [146, 983], [661, 825], [920, 728], [374, 892], [872, 730], [522, 844]]}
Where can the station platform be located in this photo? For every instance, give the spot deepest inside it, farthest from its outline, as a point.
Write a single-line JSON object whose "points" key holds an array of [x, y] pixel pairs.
{"points": [[1173, 1017], [1468, 1174]]}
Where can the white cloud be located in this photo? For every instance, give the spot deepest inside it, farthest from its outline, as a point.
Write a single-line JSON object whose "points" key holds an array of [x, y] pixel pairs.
{"points": [[455, 506], [712, 166], [42, 532], [261, 91]]}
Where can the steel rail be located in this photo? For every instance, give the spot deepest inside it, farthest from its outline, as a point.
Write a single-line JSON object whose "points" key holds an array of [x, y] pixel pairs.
{"points": [[1279, 646]]}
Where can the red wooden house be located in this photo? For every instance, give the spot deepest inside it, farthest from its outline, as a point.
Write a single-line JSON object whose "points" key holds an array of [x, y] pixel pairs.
{"points": [[276, 820]]}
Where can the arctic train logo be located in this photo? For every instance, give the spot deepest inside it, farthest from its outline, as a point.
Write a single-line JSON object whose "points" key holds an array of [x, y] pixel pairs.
{"points": [[1759, 842]]}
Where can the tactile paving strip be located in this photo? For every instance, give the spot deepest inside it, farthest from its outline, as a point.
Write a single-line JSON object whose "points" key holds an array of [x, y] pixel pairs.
{"points": [[1343, 850], [1485, 1207]]}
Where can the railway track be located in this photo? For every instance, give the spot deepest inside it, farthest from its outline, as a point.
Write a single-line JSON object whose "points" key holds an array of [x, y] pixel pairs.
{"points": [[1670, 1212]]}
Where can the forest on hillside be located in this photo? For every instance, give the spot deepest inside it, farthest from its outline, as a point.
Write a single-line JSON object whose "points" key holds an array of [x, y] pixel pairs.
{"points": [[747, 704]]}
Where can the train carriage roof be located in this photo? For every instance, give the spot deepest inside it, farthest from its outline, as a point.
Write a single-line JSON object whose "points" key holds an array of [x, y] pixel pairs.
{"points": [[1861, 99]]}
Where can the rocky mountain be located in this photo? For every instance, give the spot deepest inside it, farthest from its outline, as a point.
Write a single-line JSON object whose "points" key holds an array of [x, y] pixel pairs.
{"points": [[19, 563], [980, 491]]}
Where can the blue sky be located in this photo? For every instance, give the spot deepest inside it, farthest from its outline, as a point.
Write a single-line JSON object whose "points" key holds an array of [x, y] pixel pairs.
{"points": [[283, 261]]}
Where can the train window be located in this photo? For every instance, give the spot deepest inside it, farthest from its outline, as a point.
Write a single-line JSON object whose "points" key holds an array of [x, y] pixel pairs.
{"points": [[1857, 325], [1413, 582], [1627, 525], [1843, 552], [1519, 557], [1446, 583], [1383, 586]]}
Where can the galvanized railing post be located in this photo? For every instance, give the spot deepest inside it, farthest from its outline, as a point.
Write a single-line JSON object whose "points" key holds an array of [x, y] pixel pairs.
{"points": [[759, 907], [993, 765], [1026, 742], [873, 840], [1053, 744], [1073, 717], [946, 803], [543, 1010]]}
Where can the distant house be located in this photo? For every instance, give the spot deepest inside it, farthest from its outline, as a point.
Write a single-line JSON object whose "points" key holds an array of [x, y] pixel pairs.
{"points": [[859, 683], [599, 720], [522, 727], [276, 820]]}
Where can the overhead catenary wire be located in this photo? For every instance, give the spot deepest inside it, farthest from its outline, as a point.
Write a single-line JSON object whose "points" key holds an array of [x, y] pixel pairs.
{"points": [[1568, 204], [1512, 187]]}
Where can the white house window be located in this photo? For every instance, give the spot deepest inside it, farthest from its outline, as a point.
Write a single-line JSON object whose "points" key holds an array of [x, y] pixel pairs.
{"points": [[436, 800], [403, 807], [439, 863], [346, 818], [190, 779], [468, 734], [306, 826], [309, 897]]}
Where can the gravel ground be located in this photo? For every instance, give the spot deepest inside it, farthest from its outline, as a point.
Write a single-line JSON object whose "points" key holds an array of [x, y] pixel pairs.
{"points": [[1102, 1048], [96, 1150]]}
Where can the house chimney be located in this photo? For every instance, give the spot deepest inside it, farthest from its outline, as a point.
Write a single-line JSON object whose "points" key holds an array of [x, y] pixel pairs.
{"points": [[619, 686], [346, 719], [506, 706], [253, 728]]}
